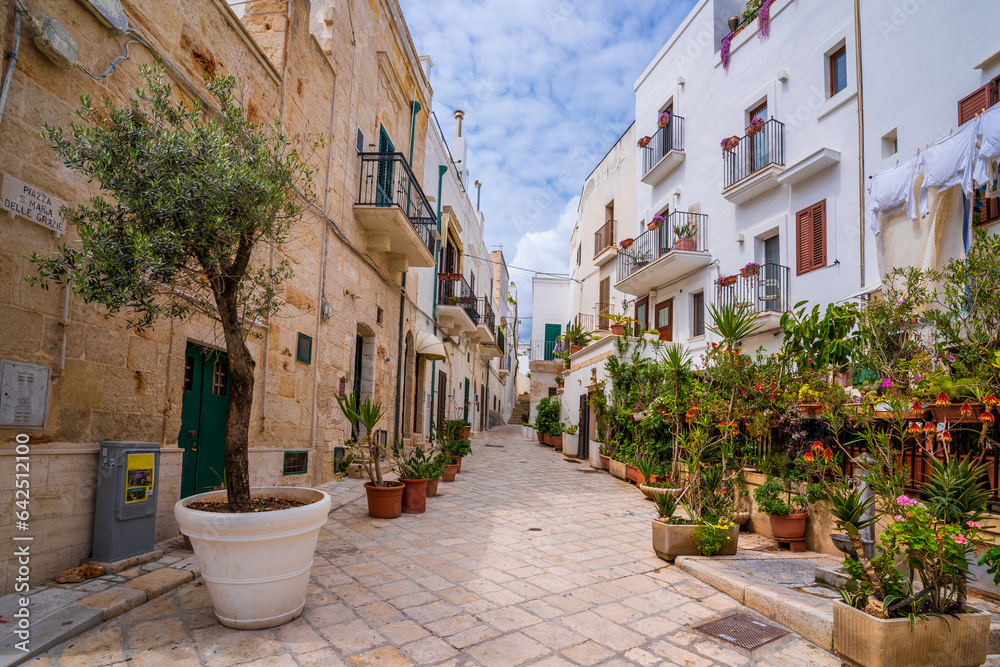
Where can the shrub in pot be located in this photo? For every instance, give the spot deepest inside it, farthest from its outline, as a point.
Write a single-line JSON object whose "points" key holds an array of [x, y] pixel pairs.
{"points": [[786, 512], [890, 620], [136, 254], [547, 419], [385, 497], [675, 536], [415, 472], [456, 449]]}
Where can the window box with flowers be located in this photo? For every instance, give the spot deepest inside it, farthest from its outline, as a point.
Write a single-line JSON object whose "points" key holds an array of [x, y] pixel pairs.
{"points": [[751, 270], [685, 236], [729, 144], [655, 223], [644, 141], [663, 120], [756, 125]]}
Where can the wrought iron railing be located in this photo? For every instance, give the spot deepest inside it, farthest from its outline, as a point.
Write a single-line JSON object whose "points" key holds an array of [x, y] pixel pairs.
{"points": [[754, 152], [680, 231], [604, 237], [542, 350], [386, 180], [458, 293], [666, 139], [486, 317], [763, 289], [588, 322], [501, 340]]}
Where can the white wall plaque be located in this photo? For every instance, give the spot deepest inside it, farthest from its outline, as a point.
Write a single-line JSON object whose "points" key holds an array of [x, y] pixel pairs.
{"points": [[21, 199]]}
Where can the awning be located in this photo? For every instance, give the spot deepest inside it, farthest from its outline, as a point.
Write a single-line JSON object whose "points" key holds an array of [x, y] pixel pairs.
{"points": [[430, 346]]}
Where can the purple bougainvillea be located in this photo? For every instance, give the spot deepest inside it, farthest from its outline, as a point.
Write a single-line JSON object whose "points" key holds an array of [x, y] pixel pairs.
{"points": [[725, 50], [764, 19]]}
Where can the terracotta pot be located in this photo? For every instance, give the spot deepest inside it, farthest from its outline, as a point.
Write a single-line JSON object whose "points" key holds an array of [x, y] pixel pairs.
{"points": [[384, 502], [605, 460], [652, 226], [561, 384], [458, 459], [727, 281], [617, 329], [414, 495], [958, 640], [450, 471], [466, 432], [810, 408], [432, 487], [573, 349], [685, 244], [625, 243], [654, 479], [633, 474], [541, 438], [557, 442], [790, 528]]}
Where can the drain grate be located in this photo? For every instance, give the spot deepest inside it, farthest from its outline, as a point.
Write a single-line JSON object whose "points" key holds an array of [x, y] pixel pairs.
{"points": [[742, 630], [588, 471], [571, 460], [500, 446]]}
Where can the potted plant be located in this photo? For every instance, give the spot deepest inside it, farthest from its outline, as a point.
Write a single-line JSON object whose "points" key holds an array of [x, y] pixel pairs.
{"points": [[570, 441], [619, 322], [644, 141], [889, 620], [756, 125], [663, 120], [575, 338], [729, 143], [785, 494], [547, 420], [684, 236], [625, 243], [602, 456], [153, 157], [617, 467], [525, 426], [385, 498], [655, 223], [449, 277], [435, 471], [675, 536], [751, 270], [457, 450], [645, 468], [415, 472]]}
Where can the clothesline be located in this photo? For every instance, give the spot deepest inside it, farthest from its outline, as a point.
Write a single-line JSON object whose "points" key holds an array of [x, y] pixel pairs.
{"points": [[966, 157]]}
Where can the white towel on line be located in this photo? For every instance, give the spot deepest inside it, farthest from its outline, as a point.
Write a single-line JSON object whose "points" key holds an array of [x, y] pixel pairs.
{"points": [[949, 162], [892, 190]]}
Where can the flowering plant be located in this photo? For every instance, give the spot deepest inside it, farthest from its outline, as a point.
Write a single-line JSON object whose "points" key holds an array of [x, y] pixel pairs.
{"points": [[724, 51], [709, 537], [729, 143], [755, 126], [663, 119], [644, 141]]}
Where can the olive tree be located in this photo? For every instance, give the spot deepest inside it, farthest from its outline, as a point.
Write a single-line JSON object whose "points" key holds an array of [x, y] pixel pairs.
{"points": [[193, 198]]}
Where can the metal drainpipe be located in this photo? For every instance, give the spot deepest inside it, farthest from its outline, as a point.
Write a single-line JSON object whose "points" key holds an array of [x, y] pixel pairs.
{"points": [[442, 170], [414, 110], [9, 75], [861, 134]]}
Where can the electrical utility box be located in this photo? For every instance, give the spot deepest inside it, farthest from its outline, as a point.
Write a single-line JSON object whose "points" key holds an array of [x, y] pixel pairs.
{"points": [[125, 508]]}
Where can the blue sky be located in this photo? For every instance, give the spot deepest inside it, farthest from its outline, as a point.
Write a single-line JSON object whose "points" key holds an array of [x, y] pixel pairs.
{"points": [[547, 89]]}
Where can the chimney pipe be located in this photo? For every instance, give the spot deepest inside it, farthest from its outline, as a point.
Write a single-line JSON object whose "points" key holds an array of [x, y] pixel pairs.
{"points": [[479, 184], [459, 115]]}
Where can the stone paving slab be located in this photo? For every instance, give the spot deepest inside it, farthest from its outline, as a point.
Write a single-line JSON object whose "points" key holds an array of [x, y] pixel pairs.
{"points": [[522, 560]]}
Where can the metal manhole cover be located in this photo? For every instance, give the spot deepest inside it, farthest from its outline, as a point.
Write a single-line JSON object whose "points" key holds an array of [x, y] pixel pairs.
{"points": [[742, 630]]}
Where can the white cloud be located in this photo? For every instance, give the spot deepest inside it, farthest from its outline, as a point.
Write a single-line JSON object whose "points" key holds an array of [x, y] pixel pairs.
{"points": [[547, 88]]}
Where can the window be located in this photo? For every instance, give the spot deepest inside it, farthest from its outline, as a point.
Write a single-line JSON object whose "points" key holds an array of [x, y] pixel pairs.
{"points": [[698, 314], [304, 350], [219, 377], [379, 315], [360, 138], [296, 463], [640, 316], [579, 254], [838, 70], [810, 238], [984, 211], [890, 144]]}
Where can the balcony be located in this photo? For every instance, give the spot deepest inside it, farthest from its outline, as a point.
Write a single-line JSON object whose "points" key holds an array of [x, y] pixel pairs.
{"points": [[456, 307], [394, 212], [543, 350], [664, 153], [754, 165], [661, 256], [766, 293], [505, 365], [493, 347], [604, 243], [593, 323], [485, 322]]}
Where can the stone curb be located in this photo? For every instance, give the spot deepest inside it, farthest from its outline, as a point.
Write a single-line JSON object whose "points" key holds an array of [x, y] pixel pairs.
{"points": [[91, 611], [779, 604]]}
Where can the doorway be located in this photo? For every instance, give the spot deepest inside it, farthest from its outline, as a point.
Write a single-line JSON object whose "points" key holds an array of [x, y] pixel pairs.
{"points": [[665, 319], [483, 409], [384, 184], [203, 419], [583, 448], [441, 399], [770, 287], [465, 403], [759, 151]]}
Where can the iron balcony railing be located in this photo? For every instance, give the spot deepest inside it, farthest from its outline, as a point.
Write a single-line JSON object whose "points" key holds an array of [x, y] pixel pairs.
{"points": [[501, 340], [754, 152], [458, 293], [588, 322], [604, 237], [680, 231], [486, 317], [666, 139], [542, 350], [505, 363], [386, 180], [763, 289]]}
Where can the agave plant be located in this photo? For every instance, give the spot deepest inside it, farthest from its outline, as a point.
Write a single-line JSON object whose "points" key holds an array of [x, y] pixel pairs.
{"points": [[368, 448], [647, 467], [853, 513], [732, 322], [666, 505], [955, 490]]}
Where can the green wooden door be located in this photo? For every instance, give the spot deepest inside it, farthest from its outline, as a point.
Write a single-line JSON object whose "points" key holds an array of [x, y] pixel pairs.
{"points": [[203, 419], [384, 185], [465, 404], [552, 332]]}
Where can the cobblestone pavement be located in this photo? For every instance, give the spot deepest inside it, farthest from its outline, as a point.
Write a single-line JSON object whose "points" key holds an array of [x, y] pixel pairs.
{"points": [[527, 559]]}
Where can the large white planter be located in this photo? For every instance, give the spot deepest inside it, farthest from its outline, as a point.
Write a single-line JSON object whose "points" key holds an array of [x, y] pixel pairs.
{"points": [[256, 565], [525, 431], [530, 435], [571, 444]]}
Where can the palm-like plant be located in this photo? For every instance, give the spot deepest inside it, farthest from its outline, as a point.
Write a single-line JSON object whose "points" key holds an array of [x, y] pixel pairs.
{"points": [[575, 334], [732, 322], [666, 505], [853, 513], [368, 449], [955, 490]]}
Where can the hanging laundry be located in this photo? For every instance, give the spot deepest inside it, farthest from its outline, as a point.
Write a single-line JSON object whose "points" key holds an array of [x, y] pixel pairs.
{"points": [[985, 171], [892, 190], [949, 162]]}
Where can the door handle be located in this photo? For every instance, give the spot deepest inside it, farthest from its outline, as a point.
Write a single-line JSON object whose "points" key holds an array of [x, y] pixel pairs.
{"points": [[193, 447], [190, 432]]}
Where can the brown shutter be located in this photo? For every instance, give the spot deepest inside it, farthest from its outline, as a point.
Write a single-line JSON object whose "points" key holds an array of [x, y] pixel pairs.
{"points": [[810, 238], [972, 104], [803, 234]]}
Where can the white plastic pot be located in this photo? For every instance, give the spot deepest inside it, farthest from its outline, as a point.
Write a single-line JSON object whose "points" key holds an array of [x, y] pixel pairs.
{"points": [[256, 565]]}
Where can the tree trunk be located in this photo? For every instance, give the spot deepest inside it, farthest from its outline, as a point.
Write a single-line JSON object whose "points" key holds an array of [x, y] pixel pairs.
{"points": [[241, 369]]}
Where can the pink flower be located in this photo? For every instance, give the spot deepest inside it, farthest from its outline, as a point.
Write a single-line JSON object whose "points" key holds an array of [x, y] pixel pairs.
{"points": [[905, 501], [974, 524], [959, 539], [898, 518]]}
